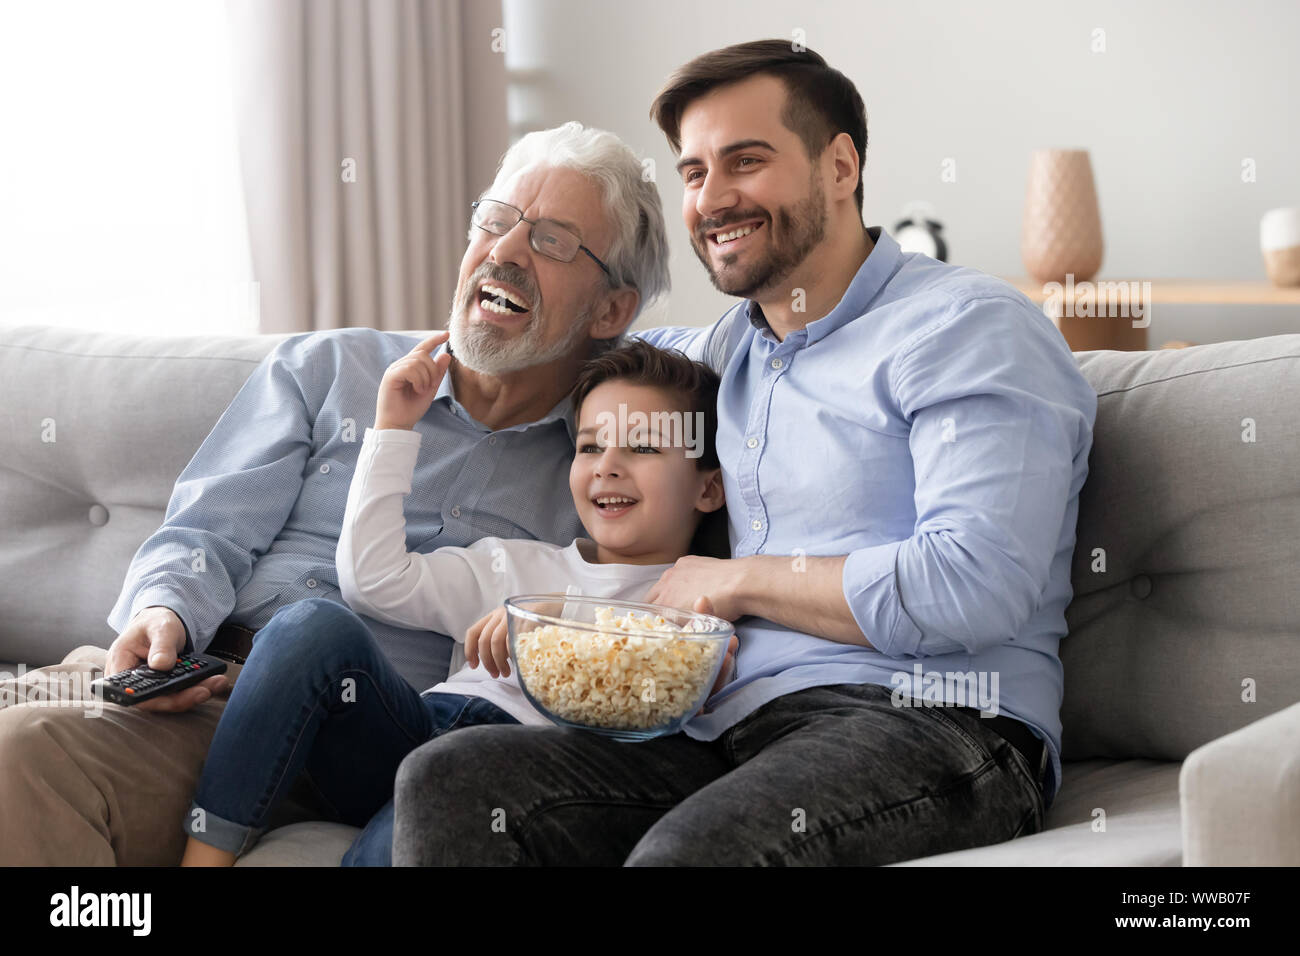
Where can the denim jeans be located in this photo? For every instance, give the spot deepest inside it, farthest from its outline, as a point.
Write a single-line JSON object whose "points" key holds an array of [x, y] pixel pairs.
{"points": [[826, 775], [318, 695]]}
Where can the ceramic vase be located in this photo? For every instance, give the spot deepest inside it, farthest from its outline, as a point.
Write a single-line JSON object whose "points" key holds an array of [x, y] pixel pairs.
{"points": [[1061, 232]]}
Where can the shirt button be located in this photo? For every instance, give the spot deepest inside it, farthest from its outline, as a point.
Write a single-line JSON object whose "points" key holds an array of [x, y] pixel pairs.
{"points": [[756, 525], [324, 469], [752, 443], [455, 512], [311, 582], [492, 440], [777, 363]]}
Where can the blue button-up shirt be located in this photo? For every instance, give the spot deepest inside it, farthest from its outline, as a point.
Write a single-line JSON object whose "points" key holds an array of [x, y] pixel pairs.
{"points": [[253, 522], [933, 427]]}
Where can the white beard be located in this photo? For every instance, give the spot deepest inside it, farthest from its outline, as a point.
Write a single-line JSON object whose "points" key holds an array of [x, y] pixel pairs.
{"points": [[486, 349]]}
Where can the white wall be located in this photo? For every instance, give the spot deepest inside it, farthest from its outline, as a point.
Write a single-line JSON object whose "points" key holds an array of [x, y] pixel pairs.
{"points": [[1182, 94]]}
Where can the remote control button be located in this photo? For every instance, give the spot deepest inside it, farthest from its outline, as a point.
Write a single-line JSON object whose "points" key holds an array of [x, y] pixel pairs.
{"points": [[130, 690]]}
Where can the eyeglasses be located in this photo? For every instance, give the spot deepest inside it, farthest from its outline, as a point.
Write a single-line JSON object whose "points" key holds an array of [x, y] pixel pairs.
{"points": [[546, 236]]}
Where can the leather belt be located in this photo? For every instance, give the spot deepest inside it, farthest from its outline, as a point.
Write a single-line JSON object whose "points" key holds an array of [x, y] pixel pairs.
{"points": [[232, 643]]}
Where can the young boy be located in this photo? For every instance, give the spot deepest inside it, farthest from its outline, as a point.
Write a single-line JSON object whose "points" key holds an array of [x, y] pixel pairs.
{"points": [[317, 694]]}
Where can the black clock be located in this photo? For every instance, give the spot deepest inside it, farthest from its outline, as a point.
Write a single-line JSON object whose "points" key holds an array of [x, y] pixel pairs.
{"points": [[918, 232]]}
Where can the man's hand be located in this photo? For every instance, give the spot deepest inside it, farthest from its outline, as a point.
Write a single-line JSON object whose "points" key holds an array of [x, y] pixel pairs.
{"points": [[409, 385], [488, 639], [704, 606], [156, 636], [693, 575]]}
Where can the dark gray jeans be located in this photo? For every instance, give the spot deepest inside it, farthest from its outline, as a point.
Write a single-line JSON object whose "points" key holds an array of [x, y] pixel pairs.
{"points": [[829, 775]]}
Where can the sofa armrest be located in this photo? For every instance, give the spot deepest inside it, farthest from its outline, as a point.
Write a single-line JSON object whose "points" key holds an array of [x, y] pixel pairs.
{"points": [[1240, 796]]}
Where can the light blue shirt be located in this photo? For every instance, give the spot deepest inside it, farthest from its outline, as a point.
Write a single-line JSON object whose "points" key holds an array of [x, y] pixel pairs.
{"points": [[254, 519], [933, 427]]}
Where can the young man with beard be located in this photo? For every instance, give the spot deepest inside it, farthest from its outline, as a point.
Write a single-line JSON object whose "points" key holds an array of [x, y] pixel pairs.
{"points": [[903, 443]]}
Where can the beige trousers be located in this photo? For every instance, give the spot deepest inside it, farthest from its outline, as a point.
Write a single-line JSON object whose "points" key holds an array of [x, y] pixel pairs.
{"points": [[88, 783]]}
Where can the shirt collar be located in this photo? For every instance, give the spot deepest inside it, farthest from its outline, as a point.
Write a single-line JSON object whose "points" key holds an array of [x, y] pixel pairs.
{"points": [[873, 275], [563, 410]]}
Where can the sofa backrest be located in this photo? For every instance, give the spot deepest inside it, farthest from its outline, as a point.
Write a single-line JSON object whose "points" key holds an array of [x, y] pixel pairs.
{"points": [[1185, 568], [96, 427], [1185, 623]]}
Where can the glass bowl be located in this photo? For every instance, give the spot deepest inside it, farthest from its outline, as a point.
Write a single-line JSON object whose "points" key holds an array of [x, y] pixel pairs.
{"points": [[631, 682]]}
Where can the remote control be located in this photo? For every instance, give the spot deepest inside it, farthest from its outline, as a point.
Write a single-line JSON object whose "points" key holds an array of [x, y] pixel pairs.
{"points": [[141, 683]]}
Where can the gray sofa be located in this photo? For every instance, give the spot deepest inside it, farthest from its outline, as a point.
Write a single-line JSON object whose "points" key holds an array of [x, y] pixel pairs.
{"points": [[1182, 666]]}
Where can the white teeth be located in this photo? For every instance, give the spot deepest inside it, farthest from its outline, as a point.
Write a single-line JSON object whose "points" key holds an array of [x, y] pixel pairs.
{"points": [[722, 237], [503, 294], [614, 500], [490, 305]]}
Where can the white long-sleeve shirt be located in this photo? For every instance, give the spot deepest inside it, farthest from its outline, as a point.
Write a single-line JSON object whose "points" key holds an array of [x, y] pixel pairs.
{"points": [[450, 589]]}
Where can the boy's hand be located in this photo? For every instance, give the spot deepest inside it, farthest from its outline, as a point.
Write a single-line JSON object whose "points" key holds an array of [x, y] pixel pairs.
{"points": [[409, 385], [488, 639]]}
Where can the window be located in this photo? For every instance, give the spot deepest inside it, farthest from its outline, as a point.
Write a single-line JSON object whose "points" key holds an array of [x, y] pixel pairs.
{"points": [[120, 201]]}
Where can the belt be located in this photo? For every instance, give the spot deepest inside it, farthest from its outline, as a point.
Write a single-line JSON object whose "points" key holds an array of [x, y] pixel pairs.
{"points": [[232, 642], [1014, 732]]}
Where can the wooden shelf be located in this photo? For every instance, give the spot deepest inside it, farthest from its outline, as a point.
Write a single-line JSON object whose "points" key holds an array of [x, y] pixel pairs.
{"points": [[1188, 291]]}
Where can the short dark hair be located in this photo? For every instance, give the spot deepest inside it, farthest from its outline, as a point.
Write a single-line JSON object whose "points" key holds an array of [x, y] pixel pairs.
{"points": [[820, 103], [695, 384]]}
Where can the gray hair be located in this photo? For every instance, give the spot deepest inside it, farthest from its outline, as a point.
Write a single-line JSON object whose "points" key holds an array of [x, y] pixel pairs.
{"points": [[638, 256]]}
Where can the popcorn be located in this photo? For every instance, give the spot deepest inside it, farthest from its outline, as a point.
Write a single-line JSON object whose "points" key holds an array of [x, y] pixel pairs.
{"points": [[617, 681]]}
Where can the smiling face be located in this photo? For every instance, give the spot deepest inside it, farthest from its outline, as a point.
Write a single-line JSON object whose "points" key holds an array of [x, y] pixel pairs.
{"points": [[640, 501], [515, 308], [754, 203]]}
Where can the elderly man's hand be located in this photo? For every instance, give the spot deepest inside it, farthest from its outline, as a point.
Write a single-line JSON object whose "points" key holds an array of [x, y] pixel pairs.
{"points": [[156, 636]]}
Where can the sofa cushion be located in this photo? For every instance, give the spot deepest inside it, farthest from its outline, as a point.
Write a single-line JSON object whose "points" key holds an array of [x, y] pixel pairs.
{"points": [[1139, 804], [310, 843], [1139, 797], [1193, 501], [96, 427]]}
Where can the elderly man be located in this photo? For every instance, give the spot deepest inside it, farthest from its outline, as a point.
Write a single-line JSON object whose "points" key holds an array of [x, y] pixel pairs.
{"points": [[263, 498]]}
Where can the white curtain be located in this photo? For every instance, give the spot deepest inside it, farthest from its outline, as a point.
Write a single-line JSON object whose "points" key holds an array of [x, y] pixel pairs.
{"points": [[366, 127]]}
